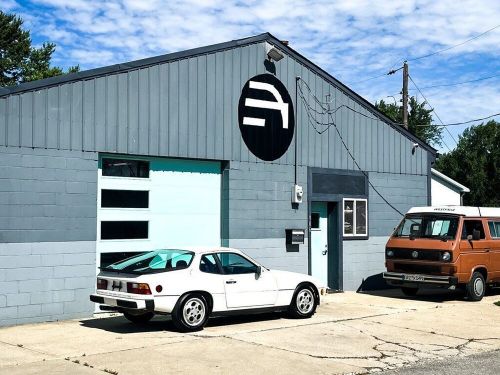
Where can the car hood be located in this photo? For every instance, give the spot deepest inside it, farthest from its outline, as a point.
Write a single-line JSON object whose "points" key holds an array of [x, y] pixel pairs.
{"points": [[289, 280]]}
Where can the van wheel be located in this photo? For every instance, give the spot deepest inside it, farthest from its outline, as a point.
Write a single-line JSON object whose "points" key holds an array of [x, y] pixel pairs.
{"points": [[140, 318], [409, 292], [191, 313], [475, 288]]}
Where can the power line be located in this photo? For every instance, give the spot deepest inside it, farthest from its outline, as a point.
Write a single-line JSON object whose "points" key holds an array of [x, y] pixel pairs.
{"points": [[332, 123], [461, 83], [439, 118], [465, 122], [453, 46]]}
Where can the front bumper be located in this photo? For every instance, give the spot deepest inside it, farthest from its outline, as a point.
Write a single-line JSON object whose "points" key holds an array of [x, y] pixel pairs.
{"points": [[403, 279], [121, 303]]}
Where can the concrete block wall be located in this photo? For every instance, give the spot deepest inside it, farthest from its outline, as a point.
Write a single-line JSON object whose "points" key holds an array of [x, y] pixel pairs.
{"points": [[259, 208], [365, 259], [47, 234]]}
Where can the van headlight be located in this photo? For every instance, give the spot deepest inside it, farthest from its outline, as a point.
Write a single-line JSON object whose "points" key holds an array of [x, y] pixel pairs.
{"points": [[446, 256], [390, 253]]}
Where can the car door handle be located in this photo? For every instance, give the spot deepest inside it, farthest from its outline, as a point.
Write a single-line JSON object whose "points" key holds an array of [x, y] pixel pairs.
{"points": [[231, 282], [487, 250]]}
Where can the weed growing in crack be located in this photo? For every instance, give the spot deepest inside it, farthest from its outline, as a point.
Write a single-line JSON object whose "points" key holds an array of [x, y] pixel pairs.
{"points": [[497, 303]]}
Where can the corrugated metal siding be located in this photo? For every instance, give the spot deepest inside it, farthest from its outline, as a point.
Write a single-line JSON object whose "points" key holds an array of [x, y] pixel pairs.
{"points": [[188, 108]]}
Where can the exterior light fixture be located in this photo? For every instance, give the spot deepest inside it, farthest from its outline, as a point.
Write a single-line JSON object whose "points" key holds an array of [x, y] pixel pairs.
{"points": [[273, 53]]}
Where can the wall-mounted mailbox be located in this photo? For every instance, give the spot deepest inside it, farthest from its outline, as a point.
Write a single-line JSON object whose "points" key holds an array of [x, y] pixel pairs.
{"points": [[295, 236]]}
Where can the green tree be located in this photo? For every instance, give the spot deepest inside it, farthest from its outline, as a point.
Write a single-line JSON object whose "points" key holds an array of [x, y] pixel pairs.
{"points": [[475, 163], [419, 119], [19, 60]]}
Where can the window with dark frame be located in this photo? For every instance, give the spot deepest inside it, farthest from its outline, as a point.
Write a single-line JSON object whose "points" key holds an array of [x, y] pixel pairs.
{"points": [[124, 198], [355, 217], [125, 168], [314, 220], [124, 230], [494, 229]]}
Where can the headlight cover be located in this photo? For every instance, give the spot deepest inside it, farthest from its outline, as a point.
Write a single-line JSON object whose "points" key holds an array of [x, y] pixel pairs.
{"points": [[389, 253], [446, 256]]}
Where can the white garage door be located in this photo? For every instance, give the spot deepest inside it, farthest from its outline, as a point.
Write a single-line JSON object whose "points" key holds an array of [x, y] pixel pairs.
{"points": [[150, 203]]}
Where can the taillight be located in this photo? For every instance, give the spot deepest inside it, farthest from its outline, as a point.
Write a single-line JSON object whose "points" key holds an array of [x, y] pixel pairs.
{"points": [[102, 284], [138, 288]]}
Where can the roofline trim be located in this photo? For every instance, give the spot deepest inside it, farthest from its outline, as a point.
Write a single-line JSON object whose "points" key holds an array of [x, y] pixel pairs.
{"points": [[143, 63], [463, 189]]}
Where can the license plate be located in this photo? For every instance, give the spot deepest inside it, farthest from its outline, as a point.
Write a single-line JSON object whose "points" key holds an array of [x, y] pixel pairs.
{"points": [[413, 278]]}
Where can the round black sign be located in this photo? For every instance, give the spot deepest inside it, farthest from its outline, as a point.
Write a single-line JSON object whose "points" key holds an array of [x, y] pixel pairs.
{"points": [[265, 115]]}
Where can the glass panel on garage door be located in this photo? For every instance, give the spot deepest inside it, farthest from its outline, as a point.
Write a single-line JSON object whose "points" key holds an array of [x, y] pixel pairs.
{"points": [[171, 203]]}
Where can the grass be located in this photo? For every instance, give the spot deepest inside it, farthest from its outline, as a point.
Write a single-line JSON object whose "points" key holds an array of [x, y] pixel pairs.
{"points": [[497, 303]]}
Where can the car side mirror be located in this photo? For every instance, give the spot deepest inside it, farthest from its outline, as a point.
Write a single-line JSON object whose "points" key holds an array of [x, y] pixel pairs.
{"points": [[476, 235], [258, 271]]}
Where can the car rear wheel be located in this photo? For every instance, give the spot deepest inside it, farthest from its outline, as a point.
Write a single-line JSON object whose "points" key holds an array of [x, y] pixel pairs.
{"points": [[139, 318], [475, 288], [409, 291], [303, 303], [191, 313]]}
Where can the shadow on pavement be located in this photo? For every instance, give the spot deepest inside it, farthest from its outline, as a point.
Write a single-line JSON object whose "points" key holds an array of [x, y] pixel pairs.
{"points": [[161, 323], [428, 295]]}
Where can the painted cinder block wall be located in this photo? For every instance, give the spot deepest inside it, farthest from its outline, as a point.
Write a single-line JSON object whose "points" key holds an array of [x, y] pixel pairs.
{"points": [[47, 234], [181, 105]]}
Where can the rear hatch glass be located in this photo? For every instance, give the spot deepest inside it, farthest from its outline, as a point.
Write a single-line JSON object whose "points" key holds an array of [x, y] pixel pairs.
{"points": [[164, 260]]}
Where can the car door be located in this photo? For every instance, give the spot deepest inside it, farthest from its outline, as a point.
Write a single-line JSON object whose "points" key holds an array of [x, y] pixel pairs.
{"points": [[474, 253], [494, 227], [244, 286]]}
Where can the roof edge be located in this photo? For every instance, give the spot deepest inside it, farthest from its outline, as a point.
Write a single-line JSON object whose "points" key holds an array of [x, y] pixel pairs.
{"points": [[463, 189]]}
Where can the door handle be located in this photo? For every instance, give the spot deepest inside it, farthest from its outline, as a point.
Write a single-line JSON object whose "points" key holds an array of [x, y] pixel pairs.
{"points": [[325, 251], [231, 282], [487, 250]]}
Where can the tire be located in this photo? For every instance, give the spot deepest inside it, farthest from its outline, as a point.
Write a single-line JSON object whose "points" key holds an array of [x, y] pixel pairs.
{"points": [[475, 288], [409, 291], [139, 319], [303, 303], [191, 313]]}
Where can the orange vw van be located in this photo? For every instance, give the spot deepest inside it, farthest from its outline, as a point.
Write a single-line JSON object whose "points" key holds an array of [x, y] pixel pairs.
{"points": [[450, 246]]}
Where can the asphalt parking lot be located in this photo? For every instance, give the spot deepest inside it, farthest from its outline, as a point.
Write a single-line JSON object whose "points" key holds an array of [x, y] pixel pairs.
{"points": [[350, 333]]}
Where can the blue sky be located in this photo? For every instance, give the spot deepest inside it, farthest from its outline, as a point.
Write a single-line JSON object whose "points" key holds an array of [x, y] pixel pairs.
{"points": [[352, 39]]}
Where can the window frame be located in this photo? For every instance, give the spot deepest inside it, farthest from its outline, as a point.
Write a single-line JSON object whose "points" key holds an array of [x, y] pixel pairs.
{"points": [[219, 262], [496, 224], [125, 158], [465, 220], [354, 235]]}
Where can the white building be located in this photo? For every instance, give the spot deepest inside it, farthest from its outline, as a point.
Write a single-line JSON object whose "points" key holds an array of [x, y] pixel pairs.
{"points": [[446, 191]]}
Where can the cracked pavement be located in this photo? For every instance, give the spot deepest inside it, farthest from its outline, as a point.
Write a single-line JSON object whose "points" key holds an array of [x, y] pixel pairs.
{"points": [[350, 333]]}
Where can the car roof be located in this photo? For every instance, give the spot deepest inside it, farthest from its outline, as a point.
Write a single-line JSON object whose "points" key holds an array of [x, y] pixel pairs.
{"points": [[203, 249]]}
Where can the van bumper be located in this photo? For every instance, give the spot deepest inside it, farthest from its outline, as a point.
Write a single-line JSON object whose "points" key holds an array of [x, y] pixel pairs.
{"points": [[410, 279]]}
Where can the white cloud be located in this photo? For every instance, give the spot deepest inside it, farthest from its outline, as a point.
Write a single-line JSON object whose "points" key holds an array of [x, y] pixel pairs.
{"points": [[353, 39]]}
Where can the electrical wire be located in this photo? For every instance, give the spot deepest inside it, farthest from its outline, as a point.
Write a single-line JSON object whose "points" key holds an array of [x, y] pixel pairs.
{"points": [[332, 123], [460, 83], [434, 111], [454, 46], [465, 122]]}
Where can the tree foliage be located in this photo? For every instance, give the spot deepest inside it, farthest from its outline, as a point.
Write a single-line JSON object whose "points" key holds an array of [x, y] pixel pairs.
{"points": [[19, 60], [419, 119], [475, 163]]}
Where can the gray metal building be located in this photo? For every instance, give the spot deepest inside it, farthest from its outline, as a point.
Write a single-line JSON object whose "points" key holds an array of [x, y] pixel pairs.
{"points": [[164, 152]]}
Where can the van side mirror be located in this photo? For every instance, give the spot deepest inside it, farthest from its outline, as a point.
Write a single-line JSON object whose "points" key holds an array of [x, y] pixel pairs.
{"points": [[476, 234]]}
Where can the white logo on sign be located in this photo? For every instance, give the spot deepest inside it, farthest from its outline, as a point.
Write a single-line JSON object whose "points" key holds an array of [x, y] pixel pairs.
{"points": [[278, 105]]}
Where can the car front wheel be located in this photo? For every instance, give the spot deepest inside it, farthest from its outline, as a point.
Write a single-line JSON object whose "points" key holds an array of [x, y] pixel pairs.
{"points": [[303, 303], [476, 287], [191, 313], [139, 318]]}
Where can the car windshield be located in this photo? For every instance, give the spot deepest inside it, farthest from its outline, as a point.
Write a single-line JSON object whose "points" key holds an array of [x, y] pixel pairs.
{"points": [[153, 262], [428, 226]]}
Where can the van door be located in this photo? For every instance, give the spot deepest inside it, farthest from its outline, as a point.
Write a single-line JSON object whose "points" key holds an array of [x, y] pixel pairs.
{"points": [[494, 226], [474, 253]]}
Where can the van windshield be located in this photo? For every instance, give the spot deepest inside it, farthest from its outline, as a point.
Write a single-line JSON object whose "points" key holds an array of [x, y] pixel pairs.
{"points": [[428, 226], [153, 262]]}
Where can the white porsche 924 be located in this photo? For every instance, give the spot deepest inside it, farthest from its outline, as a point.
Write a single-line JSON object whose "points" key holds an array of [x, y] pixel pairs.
{"points": [[194, 284]]}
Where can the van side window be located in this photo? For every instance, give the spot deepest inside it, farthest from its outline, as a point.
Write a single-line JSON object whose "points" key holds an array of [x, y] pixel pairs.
{"points": [[494, 229], [470, 225]]}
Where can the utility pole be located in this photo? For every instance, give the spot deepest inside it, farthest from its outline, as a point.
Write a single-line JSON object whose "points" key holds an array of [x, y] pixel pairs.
{"points": [[405, 95]]}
